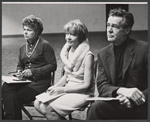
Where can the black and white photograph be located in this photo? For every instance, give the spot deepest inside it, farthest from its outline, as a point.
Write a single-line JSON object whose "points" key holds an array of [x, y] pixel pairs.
{"points": [[74, 61]]}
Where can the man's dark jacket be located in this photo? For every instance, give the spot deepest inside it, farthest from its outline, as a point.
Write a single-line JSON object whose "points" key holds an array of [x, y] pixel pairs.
{"points": [[135, 68]]}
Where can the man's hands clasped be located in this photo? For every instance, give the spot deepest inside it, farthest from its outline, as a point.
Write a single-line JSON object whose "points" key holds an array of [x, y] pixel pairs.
{"points": [[125, 101], [129, 95]]}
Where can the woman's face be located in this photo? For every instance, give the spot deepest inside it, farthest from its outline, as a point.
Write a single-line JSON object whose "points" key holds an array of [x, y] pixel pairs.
{"points": [[29, 33], [72, 39]]}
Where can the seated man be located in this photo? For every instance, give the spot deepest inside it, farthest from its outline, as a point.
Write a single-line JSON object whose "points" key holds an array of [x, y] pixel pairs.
{"points": [[122, 72]]}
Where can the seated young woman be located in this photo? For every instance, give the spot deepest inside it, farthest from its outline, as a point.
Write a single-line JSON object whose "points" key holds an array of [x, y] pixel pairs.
{"points": [[77, 81]]}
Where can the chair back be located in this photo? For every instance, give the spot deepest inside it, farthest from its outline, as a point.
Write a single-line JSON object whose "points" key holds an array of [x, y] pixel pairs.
{"points": [[52, 78], [95, 77], [95, 69]]}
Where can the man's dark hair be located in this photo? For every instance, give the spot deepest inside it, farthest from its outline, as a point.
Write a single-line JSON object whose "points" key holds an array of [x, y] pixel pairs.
{"points": [[127, 17]]}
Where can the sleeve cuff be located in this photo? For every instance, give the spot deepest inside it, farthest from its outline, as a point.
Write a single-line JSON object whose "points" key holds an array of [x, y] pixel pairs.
{"points": [[114, 93]]}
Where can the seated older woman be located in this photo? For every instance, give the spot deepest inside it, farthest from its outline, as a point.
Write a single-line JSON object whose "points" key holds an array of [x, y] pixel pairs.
{"points": [[77, 82], [36, 61]]}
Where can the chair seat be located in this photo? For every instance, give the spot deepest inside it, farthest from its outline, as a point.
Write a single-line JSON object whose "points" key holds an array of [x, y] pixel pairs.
{"points": [[84, 107], [29, 104]]}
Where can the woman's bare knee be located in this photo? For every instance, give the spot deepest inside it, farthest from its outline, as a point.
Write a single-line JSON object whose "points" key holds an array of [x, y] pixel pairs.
{"points": [[37, 105], [46, 109]]}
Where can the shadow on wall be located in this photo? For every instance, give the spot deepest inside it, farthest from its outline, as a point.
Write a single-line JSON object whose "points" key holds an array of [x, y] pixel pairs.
{"points": [[11, 44]]}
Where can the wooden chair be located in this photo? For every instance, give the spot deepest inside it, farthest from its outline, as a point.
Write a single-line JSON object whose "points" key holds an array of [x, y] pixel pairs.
{"points": [[3, 113], [32, 103]]}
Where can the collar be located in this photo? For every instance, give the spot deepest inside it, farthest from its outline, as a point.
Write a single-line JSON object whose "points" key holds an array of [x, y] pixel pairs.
{"points": [[123, 44], [33, 43]]}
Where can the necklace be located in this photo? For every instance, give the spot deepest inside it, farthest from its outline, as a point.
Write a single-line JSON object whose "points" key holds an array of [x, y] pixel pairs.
{"points": [[30, 53]]}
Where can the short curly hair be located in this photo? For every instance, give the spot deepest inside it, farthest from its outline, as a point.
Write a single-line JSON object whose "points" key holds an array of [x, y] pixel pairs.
{"points": [[34, 22], [78, 28], [127, 16]]}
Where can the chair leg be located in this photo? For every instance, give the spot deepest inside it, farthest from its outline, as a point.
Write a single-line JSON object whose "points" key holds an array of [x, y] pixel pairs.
{"points": [[70, 116], [27, 113], [3, 114]]}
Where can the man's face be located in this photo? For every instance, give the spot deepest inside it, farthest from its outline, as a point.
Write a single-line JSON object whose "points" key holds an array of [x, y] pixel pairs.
{"points": [[115, 32]]}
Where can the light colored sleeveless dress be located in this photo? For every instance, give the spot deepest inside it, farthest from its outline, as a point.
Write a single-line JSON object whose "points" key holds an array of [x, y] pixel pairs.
{"points": [[69, 102]]}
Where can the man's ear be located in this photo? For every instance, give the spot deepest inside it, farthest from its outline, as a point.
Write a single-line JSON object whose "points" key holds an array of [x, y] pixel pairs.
{"points": [[127, 30]]}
